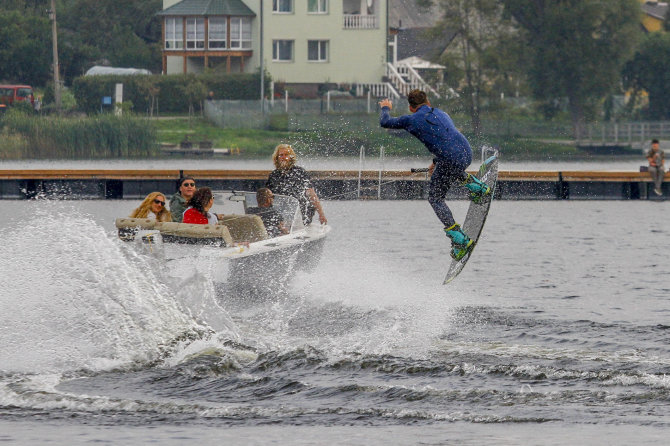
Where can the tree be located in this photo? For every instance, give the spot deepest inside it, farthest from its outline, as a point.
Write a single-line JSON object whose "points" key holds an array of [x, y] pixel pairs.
{"points": [[119, 32], [124, 33], [479, 27], [25, 53], [649, 70], [577, 48], [194, 92]]}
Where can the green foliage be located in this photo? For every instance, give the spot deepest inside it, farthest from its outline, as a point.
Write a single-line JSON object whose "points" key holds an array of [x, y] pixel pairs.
{"points": [[576, 47], [24, 108], [279, 121], [102, 136], [476, 58], [25, 51], [650, 70], [174, 93], [68, 101], [125, 33]]}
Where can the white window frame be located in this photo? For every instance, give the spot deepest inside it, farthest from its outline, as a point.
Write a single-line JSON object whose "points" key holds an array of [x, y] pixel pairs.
{"points": [[275, 50], [321, 6], [277, 6], [322, 50], [174, 33], [196, 35], [242, 38], [216, 21]]}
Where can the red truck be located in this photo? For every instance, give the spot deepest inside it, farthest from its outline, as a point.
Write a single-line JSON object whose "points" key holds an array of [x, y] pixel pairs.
{"points": [[9, 94]]}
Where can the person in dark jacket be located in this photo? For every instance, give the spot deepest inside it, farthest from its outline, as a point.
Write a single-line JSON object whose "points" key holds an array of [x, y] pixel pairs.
{"points": [[273, 221], [452, 154], [179, 201], [289, 179]]}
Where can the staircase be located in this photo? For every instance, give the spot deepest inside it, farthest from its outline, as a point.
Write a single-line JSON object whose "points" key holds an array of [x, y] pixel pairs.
{"points": [[402, 79], [405, 79]]}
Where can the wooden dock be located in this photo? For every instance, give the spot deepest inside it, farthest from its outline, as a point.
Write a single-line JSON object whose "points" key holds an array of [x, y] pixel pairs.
{"points": [[333, 184]]}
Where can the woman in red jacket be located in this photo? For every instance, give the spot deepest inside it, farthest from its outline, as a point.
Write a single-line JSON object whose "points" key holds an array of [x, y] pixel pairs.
{"points": [[200, 204]]}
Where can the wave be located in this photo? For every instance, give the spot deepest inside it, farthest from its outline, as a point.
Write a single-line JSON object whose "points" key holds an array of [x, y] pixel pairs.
{"points": [[74, 297]]}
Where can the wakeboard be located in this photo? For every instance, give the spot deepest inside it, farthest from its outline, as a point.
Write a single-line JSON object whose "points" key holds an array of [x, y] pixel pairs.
{"points": [[477, 213]]}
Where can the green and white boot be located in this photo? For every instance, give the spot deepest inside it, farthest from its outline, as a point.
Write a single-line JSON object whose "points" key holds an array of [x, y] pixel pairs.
{"points": [[460, 242], [480, 192]]}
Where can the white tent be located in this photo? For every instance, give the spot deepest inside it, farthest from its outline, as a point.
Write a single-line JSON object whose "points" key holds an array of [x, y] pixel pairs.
{"points": [[421, 64], [111, 70]]}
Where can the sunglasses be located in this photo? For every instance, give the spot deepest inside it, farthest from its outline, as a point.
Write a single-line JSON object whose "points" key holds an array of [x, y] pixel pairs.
{"points": [[188, 184], [157, 201]]}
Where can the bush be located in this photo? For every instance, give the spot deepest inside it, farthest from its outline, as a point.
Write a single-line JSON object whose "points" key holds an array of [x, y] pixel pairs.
{"points": [[103, 136], [138, 89]]}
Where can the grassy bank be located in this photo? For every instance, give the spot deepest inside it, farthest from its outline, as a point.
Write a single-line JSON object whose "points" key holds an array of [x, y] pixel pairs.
{"points": [[337, 137], [107, 136], [97, 137]]}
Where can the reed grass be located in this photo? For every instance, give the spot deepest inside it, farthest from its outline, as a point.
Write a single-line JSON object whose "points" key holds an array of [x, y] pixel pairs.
{"points": [[97, 137]]}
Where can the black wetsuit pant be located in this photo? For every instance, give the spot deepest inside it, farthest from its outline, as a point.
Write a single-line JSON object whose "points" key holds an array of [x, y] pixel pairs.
{"points": [[444, 176]]}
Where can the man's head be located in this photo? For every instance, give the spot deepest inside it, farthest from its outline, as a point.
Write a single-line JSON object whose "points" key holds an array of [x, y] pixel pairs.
{"points": [[264, 197], [654, 144], [416, 99], [284, 157]]}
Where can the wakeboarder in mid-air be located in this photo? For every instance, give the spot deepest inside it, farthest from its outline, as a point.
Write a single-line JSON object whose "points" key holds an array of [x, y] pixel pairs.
{"points": [[452, 154]]}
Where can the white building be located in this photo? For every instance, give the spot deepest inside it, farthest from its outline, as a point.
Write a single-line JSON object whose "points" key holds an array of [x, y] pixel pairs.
{"points": [[303, 43]]}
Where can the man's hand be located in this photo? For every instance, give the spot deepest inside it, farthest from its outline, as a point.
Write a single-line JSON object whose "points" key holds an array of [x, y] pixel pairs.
{"points": [[431, 168], [386, 103]]}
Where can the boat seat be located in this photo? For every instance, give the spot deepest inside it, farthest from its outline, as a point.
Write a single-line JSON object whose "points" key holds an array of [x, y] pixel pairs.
{"points": [[245, 228], [195, 234], [128, 227]]}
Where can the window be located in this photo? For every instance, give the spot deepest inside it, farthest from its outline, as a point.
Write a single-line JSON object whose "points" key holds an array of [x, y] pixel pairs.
{"points": [[240, 32], [174, 33], [282, 50], [317, 50], [195, 33], [317, 6], [284, 6], [217, 32]]}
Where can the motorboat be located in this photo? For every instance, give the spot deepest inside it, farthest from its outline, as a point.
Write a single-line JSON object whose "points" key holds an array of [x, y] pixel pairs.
{"points": [[237, 251]]}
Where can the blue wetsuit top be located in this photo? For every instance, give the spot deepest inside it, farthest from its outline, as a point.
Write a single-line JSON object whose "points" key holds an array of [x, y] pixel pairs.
{"points": [[435, 129]]}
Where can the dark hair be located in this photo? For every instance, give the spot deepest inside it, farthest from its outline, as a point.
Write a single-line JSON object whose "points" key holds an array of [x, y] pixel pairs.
{"points": [[200, 198], [181, 180], [654, 141], [416, 98]]}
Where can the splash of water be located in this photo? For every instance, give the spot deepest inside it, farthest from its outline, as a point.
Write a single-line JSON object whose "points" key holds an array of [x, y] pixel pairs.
{"points": [[73, 297]]}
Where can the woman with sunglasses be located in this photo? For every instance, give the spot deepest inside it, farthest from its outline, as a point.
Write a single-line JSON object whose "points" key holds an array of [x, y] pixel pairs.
{"points": [[200, 204], [178, 202], [153, 207]]}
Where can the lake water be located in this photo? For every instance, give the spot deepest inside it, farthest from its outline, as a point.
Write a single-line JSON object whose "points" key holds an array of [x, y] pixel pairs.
{"points": [[332, 163], [557, 332]]}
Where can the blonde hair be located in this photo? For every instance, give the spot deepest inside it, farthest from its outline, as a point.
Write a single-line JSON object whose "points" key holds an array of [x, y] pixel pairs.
{"points": [[287, 147], [144, 208]]}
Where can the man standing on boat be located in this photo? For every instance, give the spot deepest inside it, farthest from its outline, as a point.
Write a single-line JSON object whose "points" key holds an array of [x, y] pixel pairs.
{"points": [[452, 154]]}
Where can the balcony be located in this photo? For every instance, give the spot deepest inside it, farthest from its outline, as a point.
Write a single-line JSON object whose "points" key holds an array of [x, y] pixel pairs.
{"points": [[358, 21]]}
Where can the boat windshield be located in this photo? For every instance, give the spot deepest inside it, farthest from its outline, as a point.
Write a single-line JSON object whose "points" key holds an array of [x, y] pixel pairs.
{"points": [[233, 202]]}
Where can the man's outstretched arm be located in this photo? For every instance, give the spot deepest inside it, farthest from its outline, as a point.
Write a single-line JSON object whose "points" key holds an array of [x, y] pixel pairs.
{"points": [[386, 121]]}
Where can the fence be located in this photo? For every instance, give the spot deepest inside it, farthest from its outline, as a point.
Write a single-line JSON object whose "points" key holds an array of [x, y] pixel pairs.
{"points": [[333, 110], [286, 113], [634, 134]]}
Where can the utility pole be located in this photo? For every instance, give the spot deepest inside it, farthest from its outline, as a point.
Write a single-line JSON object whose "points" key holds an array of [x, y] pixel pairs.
{"points": [[54, 38], [262, 68]]}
